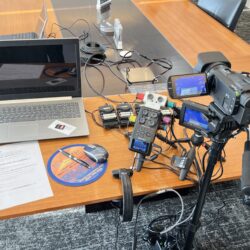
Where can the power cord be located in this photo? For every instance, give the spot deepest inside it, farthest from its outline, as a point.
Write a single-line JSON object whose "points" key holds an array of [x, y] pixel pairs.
{"points": [[98, 93], [151, 196], [83, 36]]}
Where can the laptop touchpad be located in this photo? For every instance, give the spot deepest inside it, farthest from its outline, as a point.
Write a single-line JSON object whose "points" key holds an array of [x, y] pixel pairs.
{"points": [[3, 132], [28, 131]]}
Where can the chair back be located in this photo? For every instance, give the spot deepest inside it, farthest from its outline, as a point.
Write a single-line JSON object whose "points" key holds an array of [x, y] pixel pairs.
{"points": [[226, 12]]}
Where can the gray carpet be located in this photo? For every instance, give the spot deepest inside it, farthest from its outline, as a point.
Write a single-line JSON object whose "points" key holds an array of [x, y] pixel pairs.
{"points": [[227, 228], [71, 229], [243, 26]]}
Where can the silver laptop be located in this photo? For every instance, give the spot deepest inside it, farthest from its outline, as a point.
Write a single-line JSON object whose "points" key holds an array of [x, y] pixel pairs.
{"points": [[40, 90], [40, 28]]}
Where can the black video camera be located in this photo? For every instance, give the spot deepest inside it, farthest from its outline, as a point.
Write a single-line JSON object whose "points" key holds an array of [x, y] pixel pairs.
{"points": [[230, 92]]}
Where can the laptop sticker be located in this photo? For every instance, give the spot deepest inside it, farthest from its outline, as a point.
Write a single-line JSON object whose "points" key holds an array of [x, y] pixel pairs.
{"points": [[62, 127]]}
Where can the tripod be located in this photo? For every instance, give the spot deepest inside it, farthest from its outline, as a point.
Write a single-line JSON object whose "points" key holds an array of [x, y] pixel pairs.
{"points": [[216, 148]]}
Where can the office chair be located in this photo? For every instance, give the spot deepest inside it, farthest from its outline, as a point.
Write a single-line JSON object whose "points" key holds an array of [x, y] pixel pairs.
{"points": [[226, 12]]}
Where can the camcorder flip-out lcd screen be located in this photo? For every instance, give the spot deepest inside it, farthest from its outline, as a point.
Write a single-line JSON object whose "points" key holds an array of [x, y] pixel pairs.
{"points": [[191, 85], [194, 116]]}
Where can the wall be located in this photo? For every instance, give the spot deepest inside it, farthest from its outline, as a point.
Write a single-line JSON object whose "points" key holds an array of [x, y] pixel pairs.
{"points": [[248, 3]]}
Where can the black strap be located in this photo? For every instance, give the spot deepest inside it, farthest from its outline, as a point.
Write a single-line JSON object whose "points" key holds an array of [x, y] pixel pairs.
{"points": [[126, 210]]}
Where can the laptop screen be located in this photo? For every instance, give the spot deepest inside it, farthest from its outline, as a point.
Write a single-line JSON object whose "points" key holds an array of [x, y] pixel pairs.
{"points": [[39, 68]]}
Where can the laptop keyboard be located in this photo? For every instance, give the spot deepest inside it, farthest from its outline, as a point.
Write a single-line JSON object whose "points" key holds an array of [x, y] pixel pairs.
{"points": [[40, 112]]}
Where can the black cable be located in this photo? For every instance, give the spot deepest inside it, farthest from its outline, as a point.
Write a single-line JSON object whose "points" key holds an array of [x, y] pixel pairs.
{"points": [[166, 156], [203, 161], [172, 132], [92, 88], [61, 28], [127, 61], [218, 211], [89, 84], [170, 168], [83, 36], [224, 204], [88, 112], [156, 152], [161, 218], [94, 118], [111, 70], [103, 78], [162, 62], [221, 168], [137, 215], [168, 139]]}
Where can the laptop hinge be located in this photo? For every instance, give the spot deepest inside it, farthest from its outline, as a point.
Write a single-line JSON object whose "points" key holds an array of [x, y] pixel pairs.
{"points": [[49, 99]]}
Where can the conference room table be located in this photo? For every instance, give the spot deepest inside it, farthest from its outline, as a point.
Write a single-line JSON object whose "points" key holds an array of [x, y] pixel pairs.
{"points": [[190, 31]]}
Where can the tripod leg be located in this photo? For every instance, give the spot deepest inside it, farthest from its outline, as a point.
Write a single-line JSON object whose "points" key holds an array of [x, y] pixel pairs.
{"points": [[216, 149]]}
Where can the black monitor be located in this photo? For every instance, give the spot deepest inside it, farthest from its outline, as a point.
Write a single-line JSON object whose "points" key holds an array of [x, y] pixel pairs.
{"points": [[39, 68]]}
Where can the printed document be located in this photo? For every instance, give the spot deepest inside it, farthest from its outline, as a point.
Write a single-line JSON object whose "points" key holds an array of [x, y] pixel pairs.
{"points": [[23, 176]]}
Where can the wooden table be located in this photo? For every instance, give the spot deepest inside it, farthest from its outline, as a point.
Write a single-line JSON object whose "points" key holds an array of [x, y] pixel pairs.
{"points": [[21, 16], [108, 188], [190, 31]]}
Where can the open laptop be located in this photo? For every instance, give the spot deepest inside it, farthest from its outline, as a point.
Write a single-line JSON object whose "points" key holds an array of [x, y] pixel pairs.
{"points": [[40, 90], [40, 28]]}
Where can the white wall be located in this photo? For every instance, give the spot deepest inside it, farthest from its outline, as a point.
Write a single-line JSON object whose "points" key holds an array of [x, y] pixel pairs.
{"points": [[248, 3]]}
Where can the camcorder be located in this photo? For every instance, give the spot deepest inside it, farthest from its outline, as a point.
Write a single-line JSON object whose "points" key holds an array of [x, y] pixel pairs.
{"points": [[230, 92]]}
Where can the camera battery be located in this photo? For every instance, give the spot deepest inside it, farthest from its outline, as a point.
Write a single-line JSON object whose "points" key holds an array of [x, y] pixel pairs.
{"points": [[108, 116], [124, 111]]}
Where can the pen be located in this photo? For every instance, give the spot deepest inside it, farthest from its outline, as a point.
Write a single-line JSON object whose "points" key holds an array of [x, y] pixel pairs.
{"points": [[81, 162]]}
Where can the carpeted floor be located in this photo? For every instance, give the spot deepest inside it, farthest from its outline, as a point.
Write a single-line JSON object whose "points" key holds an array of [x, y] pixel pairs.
{"points": [[243, 26], [223, 227]]}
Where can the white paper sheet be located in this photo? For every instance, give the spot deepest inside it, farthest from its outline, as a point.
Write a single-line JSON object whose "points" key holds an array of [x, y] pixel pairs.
{"points": [[23, 176], [20, 71]]}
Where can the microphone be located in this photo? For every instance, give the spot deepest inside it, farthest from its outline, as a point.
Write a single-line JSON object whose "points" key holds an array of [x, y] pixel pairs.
{"points": [[189, 161], [245, 178]]}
